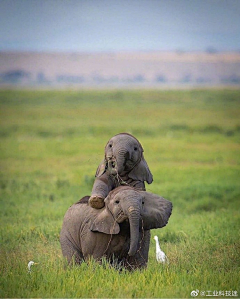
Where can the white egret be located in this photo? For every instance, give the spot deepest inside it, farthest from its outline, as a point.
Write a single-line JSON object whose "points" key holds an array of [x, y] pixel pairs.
{"points": [[160, 255], [30, 265]]}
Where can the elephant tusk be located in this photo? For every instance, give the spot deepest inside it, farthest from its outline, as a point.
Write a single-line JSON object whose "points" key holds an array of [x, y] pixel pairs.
{"points": [[131, 209]]}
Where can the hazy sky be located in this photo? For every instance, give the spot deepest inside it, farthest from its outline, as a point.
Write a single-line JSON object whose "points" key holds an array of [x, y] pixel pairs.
{"points": [[109, 25]]}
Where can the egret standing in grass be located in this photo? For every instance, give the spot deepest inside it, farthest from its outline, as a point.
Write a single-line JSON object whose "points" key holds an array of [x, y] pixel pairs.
{"points": [[160, 255], [30, 265]]}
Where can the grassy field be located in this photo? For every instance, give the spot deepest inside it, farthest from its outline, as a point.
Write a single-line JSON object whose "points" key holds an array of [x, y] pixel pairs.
{"points": [[51, 145]]}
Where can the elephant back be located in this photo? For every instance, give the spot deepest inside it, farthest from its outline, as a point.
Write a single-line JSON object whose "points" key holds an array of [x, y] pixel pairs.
{"points": [[78, 214]]}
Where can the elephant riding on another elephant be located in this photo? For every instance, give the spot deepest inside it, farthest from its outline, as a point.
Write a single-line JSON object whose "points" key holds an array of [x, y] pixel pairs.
{"points": [[123, 164], [120, 231]]}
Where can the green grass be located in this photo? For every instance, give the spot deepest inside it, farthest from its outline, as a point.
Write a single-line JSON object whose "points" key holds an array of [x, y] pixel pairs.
{"points": [[51, 144]]}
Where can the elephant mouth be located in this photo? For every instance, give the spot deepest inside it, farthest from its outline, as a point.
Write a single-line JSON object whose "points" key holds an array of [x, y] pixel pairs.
{"points": [[112, 166], [121, 217]]}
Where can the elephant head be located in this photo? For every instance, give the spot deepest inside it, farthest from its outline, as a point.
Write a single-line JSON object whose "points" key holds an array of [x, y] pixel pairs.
{"points": [[124, 155], [138, 207]]}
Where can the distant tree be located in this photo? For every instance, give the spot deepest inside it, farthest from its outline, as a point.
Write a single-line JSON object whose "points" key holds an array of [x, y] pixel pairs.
{"points": [[186, 78], [201, 80], [161, 79], [139, 78], [98, 79], [232, 79], [15, 76]]}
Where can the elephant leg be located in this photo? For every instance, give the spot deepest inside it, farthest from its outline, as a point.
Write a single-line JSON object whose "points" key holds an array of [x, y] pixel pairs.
{"points": [[101, 188], [69, 251], [73, 256], [77, 257], [140, 259], [138, 185]]}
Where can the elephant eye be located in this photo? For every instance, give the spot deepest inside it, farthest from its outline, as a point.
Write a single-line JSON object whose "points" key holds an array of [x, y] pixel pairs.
{"points": [[117, 201], [110, 145], [143, 202], [135, 148]]}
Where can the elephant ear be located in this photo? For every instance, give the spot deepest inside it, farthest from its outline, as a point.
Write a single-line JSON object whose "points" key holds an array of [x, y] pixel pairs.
{"points": [[156, 211], [141, 172], [105, 223], [101, 168]]}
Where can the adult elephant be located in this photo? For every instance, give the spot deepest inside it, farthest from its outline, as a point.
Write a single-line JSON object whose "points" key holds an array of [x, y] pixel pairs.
{"points": [[120, 231], [123, 164]]}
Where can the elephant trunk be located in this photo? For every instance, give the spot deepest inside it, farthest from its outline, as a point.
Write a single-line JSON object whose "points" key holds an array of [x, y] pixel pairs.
{"points": [[122, 155], [133, 213], [117, 161]]}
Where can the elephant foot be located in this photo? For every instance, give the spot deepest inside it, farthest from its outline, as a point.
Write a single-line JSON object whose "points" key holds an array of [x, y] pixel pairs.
{"points": [[96, 202]]}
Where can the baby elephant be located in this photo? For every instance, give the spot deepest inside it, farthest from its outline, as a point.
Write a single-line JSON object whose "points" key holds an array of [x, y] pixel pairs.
{"points": [[123, 164], [119, 231]]}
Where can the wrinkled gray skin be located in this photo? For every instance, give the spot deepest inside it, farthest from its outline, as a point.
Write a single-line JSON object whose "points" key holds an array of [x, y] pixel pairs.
{"points": [[120, 231], [123, 164]]}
